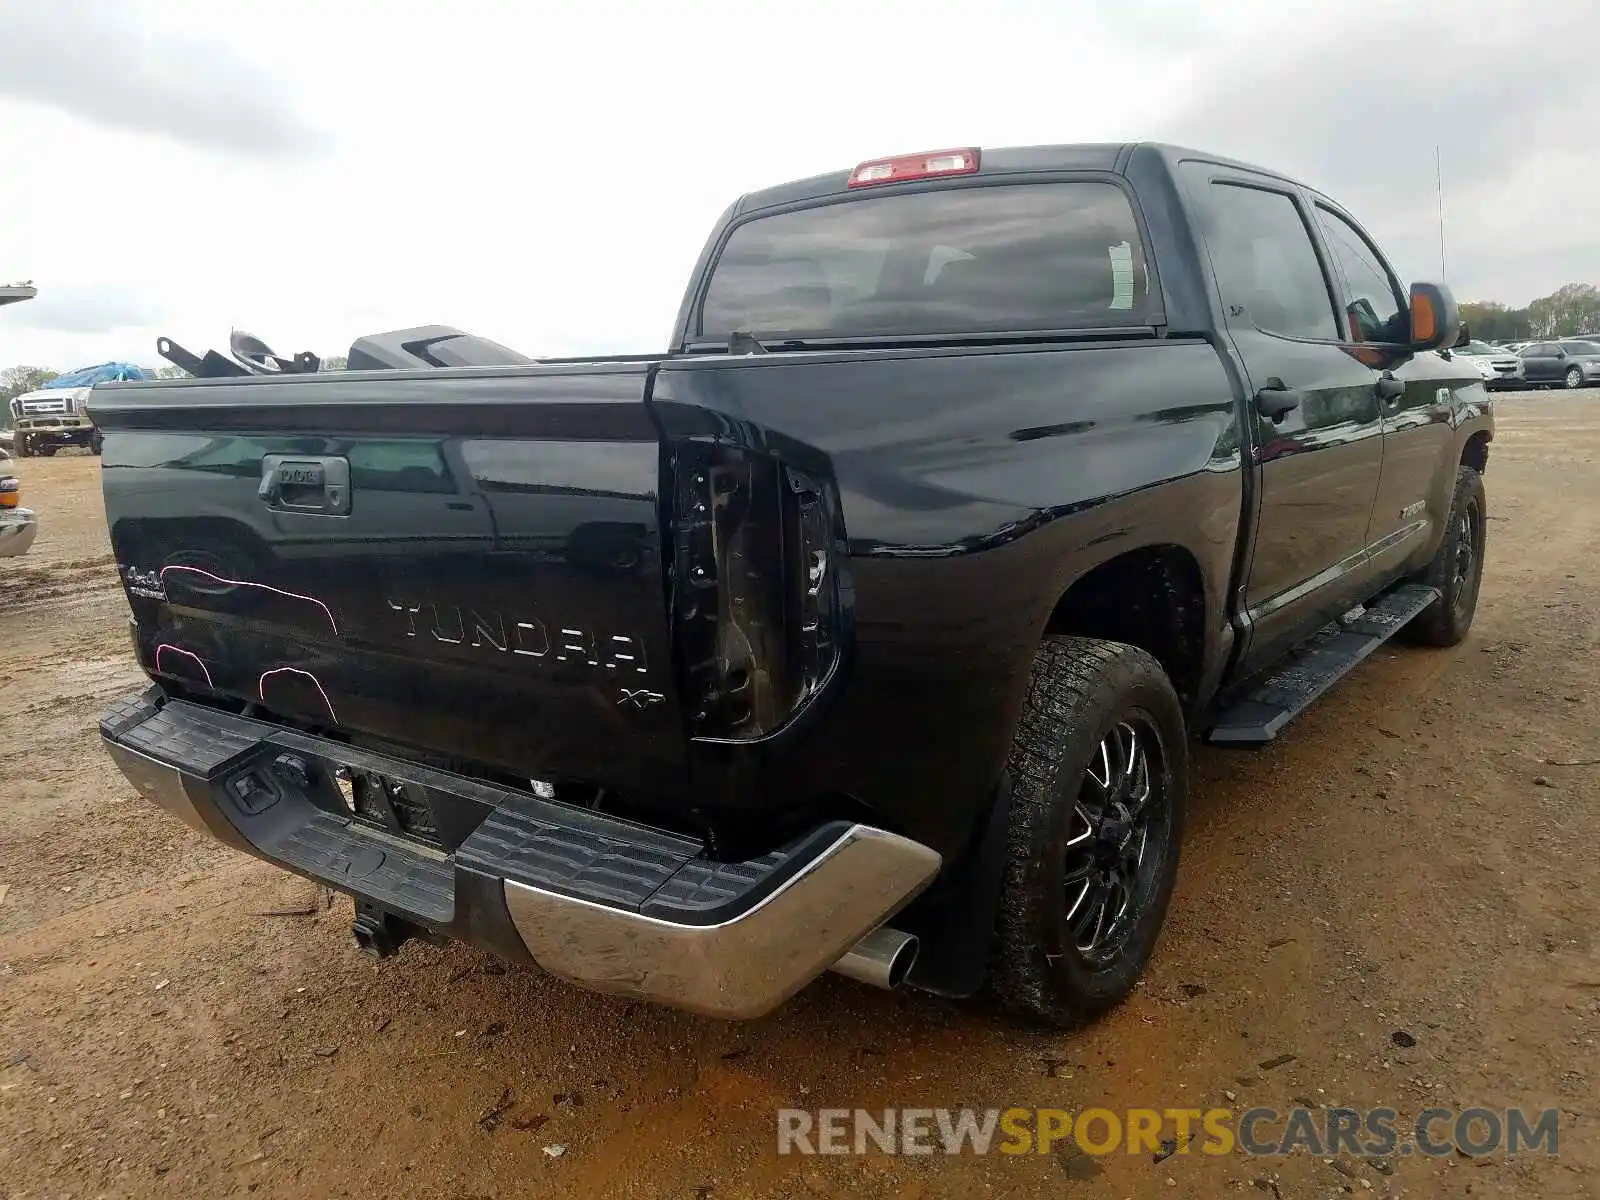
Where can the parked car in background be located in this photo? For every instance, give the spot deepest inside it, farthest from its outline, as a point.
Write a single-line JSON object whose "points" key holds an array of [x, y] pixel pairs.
{"points": [[1499, 367], [18, 525], [46, 420], [1568, 363], [57, 414]]}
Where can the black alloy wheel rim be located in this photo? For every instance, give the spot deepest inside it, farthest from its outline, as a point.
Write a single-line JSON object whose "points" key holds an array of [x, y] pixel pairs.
{"points": [[1116, 840], [1466, 559]]}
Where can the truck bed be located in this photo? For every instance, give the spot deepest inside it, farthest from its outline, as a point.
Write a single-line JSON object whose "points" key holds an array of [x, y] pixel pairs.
{"points": [[488, 569]]}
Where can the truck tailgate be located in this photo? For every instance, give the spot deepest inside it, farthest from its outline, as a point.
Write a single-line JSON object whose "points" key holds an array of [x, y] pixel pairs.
{"points": [[467, 564]]}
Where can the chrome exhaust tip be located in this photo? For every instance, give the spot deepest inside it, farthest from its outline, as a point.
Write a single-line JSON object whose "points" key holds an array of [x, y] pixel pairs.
{"points": [[883, 958]]}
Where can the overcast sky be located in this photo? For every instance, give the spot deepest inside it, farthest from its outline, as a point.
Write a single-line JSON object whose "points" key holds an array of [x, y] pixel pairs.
{"points": [[545, 173]]}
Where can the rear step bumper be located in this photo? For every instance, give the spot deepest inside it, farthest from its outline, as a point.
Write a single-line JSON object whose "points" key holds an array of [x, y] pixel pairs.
{"points": [[607, 904]]}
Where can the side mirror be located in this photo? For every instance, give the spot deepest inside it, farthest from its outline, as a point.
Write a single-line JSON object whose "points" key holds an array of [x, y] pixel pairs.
{"points": [[1463, 337], [1435, 317]]}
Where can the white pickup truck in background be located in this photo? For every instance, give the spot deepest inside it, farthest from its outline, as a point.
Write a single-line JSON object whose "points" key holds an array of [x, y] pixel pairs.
{"points": [[46, 420]]}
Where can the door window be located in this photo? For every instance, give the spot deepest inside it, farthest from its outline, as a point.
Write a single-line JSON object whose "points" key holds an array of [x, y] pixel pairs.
{"points": [[1266, 262], [1375, 304]]}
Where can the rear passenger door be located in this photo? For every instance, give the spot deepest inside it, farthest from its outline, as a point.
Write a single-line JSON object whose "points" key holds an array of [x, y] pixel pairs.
{"points": [[1318, 464]]}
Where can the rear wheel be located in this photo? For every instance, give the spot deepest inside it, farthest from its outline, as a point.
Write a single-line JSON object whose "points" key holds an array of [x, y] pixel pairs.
{"points": [[1099, 770], [1456, 569], [1574, 377]]}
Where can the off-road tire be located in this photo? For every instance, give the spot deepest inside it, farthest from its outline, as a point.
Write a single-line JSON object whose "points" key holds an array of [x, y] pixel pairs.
{"points": [[96, 443], [1448, 619], [1080, 689], [22, 446]]}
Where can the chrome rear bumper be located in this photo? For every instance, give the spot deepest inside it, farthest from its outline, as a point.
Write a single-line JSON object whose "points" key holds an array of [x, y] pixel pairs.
{"points": [[598, 901], [745, 966]]}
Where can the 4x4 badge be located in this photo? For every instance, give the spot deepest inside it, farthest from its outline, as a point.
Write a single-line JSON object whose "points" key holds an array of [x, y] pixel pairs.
{"points": [[642, 698], [143, 583]]}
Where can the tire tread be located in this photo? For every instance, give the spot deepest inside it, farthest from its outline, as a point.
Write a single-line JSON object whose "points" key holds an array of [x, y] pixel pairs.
{"points": [[1436, 625], [1068, 678]]}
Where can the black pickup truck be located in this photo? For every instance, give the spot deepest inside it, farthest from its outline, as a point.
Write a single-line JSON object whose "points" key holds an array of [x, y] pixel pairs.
{"points": [[866, 628]]}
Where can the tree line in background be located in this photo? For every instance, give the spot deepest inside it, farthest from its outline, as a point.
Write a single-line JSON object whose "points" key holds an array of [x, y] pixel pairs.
{"points": [[16, 380], [1569, 310]]}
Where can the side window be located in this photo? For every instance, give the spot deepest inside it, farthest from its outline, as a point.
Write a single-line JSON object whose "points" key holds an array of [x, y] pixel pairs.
{"points": [[1375, 301], [1265, 260]]}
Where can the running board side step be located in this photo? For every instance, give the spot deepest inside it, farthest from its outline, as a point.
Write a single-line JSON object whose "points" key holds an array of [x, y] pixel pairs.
{"points": [[1315, 666]]}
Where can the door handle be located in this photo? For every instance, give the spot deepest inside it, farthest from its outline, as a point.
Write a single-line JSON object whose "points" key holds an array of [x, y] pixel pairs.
{"points": [[1390, 389], [1276, 400], [305, 484]]}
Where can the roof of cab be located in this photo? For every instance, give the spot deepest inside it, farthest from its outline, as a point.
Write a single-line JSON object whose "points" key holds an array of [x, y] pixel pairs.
{"points": [[1088, 156]]}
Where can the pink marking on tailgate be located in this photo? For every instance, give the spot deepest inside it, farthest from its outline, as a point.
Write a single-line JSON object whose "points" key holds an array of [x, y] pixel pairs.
{"points": [[261, 686], [190, 654], [326, 611]]}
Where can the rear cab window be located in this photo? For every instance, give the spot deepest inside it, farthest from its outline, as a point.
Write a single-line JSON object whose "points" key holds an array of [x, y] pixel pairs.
{"points": [[978, 259]]}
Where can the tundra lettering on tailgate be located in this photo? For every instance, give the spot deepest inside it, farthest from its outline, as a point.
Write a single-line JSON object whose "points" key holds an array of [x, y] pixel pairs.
{"points": [[530, 637]]}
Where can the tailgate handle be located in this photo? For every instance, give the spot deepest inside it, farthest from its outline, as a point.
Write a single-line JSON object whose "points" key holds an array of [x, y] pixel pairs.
{"points": [[305, 483]]}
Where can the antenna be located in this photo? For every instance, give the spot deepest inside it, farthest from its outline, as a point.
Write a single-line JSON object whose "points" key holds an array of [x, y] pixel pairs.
{"points": [[1438, 183]]}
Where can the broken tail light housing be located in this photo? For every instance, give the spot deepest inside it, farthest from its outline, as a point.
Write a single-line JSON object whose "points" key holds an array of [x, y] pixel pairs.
{"points": [[906, 167], [756, 589]]}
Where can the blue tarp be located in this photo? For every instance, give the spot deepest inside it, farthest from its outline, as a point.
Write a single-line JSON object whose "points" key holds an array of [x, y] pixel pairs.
{"points": [[110, 372]]}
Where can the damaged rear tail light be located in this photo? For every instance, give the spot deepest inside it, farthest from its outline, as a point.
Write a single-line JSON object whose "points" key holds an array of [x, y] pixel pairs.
{"points": [[756, 590]]}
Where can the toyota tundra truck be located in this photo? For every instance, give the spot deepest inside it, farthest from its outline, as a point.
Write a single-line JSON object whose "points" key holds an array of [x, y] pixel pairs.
{"points": [[866, 628]]}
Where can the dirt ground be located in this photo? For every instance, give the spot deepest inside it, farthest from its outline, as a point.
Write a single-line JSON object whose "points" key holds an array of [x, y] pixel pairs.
{"points": [[1416, 857]]}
